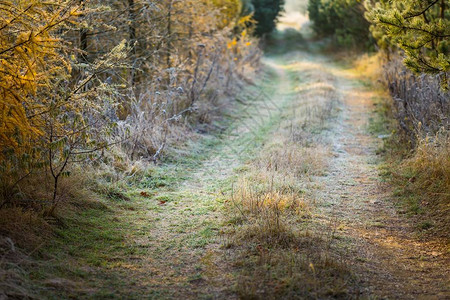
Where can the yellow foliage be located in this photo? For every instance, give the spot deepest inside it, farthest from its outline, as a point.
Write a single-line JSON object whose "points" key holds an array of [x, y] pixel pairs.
{"points": [[246, 20], [229, 9], [232, 43], [30, 59]]}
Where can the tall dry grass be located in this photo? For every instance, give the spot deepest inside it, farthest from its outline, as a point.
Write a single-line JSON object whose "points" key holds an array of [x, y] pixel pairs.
{"points": [[274, 248], [264, 209], [422, 110], [426, 175]]}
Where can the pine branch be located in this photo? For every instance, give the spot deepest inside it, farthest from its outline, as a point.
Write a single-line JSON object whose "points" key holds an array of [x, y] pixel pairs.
{"points": [[416, 14]]}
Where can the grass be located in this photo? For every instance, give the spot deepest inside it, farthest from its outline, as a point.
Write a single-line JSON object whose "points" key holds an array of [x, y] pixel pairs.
{"points": [[276, 252], [426, 174]]}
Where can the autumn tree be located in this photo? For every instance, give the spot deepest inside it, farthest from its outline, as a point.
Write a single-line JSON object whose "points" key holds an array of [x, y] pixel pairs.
{"points": [[230, 11], [31, 62]]}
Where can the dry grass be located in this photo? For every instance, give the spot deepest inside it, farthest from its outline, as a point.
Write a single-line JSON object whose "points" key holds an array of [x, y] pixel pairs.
{"points": [[290, 159], [426, 175], [274, 248], [34, 192], [26, 230], [14, 283], [421, 107], [305, 272], [265, 212], [433, 158], [23, 232], [369, 67]]}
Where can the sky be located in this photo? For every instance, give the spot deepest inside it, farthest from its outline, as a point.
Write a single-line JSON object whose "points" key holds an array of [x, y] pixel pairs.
{"points": [[294, 15]]}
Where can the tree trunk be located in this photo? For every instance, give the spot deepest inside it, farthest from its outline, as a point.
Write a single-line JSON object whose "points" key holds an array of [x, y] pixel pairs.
{"points": [[132, 37], [83, 42], [169, 34]]}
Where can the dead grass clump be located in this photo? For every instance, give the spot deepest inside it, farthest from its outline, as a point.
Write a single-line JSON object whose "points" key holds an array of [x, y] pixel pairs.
{"points": [[303, 268], [256, 202], [320, 114], [294, 160], [265, 213], [274, 252], [26, 228], [275, 257], [315, 116], [21, 231], [432, 157], [14, 283], [271, 232]]}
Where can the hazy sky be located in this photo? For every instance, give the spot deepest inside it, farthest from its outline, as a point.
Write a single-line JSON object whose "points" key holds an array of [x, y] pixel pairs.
{"points": [[294, 15]]}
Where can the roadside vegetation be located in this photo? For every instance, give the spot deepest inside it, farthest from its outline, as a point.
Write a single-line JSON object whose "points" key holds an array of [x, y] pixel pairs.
{"points": [[418, 35]]}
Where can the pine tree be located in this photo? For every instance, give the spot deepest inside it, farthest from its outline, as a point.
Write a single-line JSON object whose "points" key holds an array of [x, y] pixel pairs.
{"points": [[420, 28], [343, 19], [266, 13]]}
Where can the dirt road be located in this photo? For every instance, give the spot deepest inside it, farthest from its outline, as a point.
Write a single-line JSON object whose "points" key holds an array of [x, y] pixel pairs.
{"points": [[383, 250]]}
